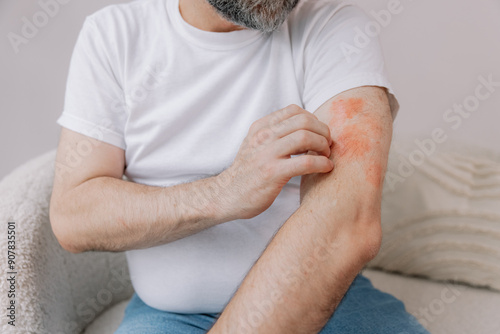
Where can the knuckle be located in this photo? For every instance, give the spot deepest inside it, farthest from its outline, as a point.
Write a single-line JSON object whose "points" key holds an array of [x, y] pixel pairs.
{"points": [[291, 108], [284, 113], [275, 117], [255, 142], [263, 136], [303, 137], [305, 121], [307, 162], [255, 126], [278, 125]]}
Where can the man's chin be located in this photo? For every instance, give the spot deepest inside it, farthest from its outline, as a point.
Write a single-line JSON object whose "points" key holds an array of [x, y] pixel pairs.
{"points": [[259, 25], [249, 20]]}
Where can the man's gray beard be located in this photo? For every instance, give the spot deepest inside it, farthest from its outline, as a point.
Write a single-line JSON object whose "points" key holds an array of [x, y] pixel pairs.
{"points": [[263, 15]]}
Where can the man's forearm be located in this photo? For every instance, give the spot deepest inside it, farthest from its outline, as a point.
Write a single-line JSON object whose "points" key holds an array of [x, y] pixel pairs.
{"points": [[304, 272], [111, 214], [308, 266], [298, 281]]}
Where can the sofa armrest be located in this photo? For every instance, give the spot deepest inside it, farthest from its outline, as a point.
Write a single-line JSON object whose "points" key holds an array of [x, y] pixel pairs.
{"points": [[55, 291]]}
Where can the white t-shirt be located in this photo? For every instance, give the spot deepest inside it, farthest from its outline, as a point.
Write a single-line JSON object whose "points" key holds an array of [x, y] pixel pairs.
{"points": [[180, 101]]}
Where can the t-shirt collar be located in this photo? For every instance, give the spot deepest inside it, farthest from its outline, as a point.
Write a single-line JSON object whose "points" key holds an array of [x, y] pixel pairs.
{"points": [[207, 39]]}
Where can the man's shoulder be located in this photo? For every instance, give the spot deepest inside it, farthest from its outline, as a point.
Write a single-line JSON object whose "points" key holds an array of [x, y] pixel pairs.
{"points": [[310, 13], [310, 8], [126, 14]]}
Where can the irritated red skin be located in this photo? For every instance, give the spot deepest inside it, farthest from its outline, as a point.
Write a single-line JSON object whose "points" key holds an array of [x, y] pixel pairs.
{"points": [[354, 136]]}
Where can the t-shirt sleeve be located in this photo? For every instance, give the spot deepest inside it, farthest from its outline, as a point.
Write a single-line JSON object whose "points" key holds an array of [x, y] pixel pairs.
{"points": [[94, 102], [339, 56]]}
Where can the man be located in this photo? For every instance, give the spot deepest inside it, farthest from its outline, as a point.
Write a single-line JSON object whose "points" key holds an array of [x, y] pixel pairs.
{"points": [[243, 211]]}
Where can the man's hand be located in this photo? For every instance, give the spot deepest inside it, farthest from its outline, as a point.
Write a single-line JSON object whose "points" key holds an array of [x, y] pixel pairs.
{"points": [[264, 164], [306, 269]]}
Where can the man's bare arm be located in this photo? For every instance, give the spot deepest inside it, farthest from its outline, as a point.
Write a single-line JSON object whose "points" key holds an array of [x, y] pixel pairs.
{"points": [[92, 208], [306, 269]]}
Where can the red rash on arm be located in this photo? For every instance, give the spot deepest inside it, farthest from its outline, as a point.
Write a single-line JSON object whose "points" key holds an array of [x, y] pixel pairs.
{"points": [[355, 135]]}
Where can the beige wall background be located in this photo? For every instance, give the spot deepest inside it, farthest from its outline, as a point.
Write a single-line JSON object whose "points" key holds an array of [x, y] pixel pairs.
{"points": [[435, 51]]}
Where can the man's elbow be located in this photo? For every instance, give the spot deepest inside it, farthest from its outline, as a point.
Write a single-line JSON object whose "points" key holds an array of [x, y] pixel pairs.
{"points": [[366, 237], [61, 230]]}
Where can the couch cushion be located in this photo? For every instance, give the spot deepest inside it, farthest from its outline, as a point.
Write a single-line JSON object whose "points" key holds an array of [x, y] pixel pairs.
{"points": [[440, 213], [109, 321], [443, 308]]}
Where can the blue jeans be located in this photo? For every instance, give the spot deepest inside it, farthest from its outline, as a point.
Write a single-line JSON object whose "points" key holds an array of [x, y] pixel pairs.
{"points": [[363, 310]]}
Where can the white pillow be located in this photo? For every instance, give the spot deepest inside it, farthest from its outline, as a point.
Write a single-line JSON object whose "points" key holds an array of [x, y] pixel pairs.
{"points": [[441, 213]]}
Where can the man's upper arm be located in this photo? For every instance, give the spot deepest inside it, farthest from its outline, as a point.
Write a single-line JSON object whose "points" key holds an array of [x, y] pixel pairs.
{"points": [[360, 122], [81, 158]]}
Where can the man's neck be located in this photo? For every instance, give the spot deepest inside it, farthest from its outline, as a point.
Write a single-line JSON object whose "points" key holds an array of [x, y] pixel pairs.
{"points": [[200, 14]]}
